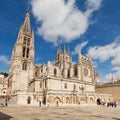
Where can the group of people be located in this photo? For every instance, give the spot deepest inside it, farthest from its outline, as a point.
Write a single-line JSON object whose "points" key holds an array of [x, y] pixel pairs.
{"points": [[109, 104], [112, 104]]}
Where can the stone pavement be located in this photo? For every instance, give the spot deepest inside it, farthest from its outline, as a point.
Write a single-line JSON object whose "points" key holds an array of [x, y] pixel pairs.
{"points": [[17, 112]]}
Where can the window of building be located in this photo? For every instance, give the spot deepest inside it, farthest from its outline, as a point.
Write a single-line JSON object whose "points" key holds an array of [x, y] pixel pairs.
{"points": [[65, 85], [68, 73], [24, 66], [75, 72], [27, 55], [24, 41], [55, 71], [41, 85], [28, 42], [23, 53], [45, 84], [36, 73]]}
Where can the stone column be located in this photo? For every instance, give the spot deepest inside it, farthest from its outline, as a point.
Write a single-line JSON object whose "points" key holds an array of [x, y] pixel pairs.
{"points": [[71, 72]]}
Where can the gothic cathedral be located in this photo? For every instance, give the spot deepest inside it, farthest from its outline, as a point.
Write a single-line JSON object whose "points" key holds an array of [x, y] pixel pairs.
{"points": [[61, 83]]}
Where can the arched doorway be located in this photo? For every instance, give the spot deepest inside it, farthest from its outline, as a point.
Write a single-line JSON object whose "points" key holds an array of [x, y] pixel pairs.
{"points": [[91, 100], [98, 101], [67, 100], [57, 101], [29, 100]]}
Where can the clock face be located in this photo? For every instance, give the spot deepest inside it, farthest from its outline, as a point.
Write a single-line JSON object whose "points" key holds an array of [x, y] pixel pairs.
{"points": [[85, 71]]}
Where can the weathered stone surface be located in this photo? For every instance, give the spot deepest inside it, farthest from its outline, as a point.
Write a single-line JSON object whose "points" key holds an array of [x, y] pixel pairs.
{"points": [[59, 113], [61, 82]]}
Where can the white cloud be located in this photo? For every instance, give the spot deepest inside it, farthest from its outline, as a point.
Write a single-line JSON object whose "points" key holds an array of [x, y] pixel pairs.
{"points": [[79, 48], [114, 77], [92, 5], [4, 59], [106, 53], [109, 76], [103, 53], [62, 21], [94, 63], [116, 60]]}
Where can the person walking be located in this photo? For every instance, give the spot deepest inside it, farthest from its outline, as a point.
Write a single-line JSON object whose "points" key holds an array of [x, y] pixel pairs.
{"points": [[39, 103], [6, 102], [115, 104]]}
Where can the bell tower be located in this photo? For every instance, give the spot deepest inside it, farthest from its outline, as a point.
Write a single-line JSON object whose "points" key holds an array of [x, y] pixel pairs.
{"points": [[22, 59]]}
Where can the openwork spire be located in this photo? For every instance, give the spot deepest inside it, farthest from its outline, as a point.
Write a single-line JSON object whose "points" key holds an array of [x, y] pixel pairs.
{"points": [[79, 56], [26, 25], [64, 49]]}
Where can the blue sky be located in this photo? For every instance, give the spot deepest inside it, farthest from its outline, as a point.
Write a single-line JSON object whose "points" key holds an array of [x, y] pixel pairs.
{"points": [[89, 26]]}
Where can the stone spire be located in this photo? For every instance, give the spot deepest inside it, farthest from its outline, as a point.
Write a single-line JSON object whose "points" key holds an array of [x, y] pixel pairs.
{"points": [[57, 50], [79, 57], [68, 50], [22, 59], [26, 24], [64, 49]]}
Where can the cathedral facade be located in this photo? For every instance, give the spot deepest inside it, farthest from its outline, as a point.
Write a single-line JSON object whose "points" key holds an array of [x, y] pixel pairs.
{"points": [[59, 83]]}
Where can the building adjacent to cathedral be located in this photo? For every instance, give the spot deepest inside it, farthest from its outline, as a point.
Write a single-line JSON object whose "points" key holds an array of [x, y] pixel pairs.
{"points": [[3, 85], [60, 83], [110, 88]]}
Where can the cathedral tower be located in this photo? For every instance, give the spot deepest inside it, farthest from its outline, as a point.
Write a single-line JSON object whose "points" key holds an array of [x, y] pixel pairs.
{"points": [[64, 61], [63, 58], [22, 59]]}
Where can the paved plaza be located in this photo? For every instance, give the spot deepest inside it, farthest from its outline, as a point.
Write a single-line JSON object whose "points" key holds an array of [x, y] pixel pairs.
{"points": [[17, 112]]}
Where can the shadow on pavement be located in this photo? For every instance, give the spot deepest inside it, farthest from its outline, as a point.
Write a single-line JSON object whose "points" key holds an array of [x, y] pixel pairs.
{"points": [[4, 116], [116, 118]]}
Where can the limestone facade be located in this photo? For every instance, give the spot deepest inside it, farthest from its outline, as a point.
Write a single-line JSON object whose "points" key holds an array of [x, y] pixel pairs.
{"points": [[3, 86], [56, 83]]}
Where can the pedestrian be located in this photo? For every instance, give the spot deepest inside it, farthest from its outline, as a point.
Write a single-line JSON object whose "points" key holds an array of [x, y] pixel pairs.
{"points": [[6, 102], [108, 104], [115, 104], [39, 103]]}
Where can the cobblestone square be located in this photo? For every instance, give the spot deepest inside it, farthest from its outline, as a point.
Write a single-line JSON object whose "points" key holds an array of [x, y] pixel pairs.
{"points": [[59, 113]]}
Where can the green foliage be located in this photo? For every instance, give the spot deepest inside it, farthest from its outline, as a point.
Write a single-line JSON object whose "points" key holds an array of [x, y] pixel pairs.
{"points": [[4, 73]]}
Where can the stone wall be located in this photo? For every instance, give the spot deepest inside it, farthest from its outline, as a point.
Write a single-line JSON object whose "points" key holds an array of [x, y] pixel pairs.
{"points": [[3, 85], [113, 89]]}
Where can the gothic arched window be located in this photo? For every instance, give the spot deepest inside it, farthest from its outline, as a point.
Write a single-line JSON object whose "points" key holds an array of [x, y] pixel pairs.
{"points": [[24, 41], [23, 52], [27, 55], [75, 72], [35, 73], [55, 71], [24, 66], [28, 42], [45, 83], [68, 73]]}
